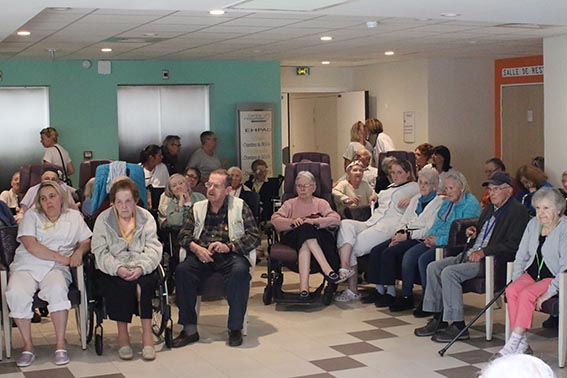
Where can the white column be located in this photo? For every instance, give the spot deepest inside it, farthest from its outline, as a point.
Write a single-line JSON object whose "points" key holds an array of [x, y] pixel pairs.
{"points": [[555, 104]]}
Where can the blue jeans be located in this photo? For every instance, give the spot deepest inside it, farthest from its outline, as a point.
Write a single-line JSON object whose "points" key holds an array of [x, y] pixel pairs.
{"points": [[410, 264], [424, 260]]}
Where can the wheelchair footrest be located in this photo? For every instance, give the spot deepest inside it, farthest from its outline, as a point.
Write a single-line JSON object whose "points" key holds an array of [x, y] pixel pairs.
{"points": [[294, 298]]}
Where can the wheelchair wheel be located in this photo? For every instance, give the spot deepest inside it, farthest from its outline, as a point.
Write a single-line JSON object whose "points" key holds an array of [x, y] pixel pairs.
{"points": [[90, 322], [328, 294], [98, 340], [268, 295], [160, 306]]}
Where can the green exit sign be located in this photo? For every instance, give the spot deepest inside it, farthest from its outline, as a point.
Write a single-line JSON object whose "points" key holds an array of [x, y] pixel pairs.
{"points": [[302, 71]]}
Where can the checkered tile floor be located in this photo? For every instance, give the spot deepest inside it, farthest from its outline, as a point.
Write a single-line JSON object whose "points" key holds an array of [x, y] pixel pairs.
{"points": [[340, 340]]}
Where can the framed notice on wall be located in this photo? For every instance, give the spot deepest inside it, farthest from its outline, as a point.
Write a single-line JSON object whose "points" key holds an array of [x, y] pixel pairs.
{"points": [[409, 127], [255, 131]]}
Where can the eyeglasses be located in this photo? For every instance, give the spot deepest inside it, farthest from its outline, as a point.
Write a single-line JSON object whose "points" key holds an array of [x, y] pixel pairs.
{"points": [[216, 186], [303, 186], [176, 144]]}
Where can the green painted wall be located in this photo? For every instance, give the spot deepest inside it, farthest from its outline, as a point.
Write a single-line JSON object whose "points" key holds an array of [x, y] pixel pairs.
{"points": [[83, 103]]}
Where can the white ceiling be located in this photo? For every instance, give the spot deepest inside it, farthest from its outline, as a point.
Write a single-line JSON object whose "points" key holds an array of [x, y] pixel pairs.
{"points": [[183, 29]]}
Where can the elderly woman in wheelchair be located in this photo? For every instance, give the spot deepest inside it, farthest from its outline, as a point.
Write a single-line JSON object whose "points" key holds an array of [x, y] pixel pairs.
{"points": [[53, 238], [127, 251], [303, 222]]}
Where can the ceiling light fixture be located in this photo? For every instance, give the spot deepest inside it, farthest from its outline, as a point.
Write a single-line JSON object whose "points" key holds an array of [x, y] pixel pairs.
{"points": [[389, 53], [23, 33], [325, 62], [326, 38], [150, 34], [106, 49], [216, 12], [371, 24], [450, 14]]}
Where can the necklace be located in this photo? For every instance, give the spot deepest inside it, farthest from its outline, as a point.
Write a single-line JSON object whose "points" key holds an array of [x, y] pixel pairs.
{"points": [[50, 223]]}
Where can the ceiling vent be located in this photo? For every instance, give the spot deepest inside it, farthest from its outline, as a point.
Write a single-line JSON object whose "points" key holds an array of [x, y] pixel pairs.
{"points": [[286, 6], [134, 40], [515, 25]]}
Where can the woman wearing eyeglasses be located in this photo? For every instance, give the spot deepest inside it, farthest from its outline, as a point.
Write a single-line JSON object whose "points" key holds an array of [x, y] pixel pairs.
{"points": [[303, 222]]}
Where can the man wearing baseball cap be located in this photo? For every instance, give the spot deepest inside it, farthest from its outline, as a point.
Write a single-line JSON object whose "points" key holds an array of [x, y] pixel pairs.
{"points": [[497, 233]]}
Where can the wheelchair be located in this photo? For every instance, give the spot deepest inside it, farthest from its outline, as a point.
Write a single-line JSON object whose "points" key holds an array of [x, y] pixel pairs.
{"points": [[281, 256], [162, 325]]}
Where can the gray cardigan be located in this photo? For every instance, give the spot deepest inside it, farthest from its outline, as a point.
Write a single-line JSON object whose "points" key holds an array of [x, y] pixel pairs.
{"points": [[111, 250], [554, 251]]}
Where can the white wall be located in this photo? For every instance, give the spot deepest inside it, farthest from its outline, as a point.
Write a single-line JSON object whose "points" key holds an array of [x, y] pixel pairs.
{"points": [[555, 103], [395, 88], [322, 79], [461, 113]]}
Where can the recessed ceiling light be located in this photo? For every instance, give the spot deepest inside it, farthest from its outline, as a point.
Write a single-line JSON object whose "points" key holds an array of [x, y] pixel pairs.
{"points": [[326, 38], [449, 14], [60, 9], [106, 49], [389, 53], [216, 12], [23, 33], [371, 24], [150, 34], [325, 62], [423, 19]]}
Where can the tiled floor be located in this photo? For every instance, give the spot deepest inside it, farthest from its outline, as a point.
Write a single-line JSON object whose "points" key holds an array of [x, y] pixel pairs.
{"points": [[341, 340]]}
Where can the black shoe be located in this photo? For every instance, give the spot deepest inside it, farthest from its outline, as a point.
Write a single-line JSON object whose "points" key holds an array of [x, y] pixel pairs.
{"points": [[184, 339], [419, 313], [333, 277], [402, 304], [551, 323], [449, 334], [386, 301], [373, 297], [430, 328], [36, 317], [305, 295], [234, 338]]}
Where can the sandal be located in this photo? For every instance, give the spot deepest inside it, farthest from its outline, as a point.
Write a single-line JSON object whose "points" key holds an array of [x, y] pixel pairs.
{"points": [[125, 353], [332, 277], [345, 274], [26, 359], [304, 294], [61, 357]]}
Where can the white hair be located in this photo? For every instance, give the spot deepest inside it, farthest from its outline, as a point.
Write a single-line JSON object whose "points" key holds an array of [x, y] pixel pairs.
{"points": [[518, 366]]}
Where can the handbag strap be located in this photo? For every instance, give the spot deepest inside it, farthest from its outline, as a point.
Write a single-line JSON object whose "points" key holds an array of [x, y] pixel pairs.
{"points": [[62, 162]]}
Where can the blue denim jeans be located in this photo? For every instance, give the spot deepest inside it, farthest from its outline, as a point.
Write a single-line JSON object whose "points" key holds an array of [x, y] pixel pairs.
{"points": [[410, 264]]}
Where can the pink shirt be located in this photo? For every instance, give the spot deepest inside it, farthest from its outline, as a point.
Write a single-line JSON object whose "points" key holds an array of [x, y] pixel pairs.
{"points": [[296, 208]]}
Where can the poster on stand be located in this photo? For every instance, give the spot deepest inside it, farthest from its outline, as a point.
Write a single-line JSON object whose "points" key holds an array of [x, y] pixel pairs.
{"points": [[255, 133]]}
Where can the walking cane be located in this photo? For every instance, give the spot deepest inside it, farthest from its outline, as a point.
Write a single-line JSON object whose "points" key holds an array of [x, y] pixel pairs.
{"points": [[442, 351]]}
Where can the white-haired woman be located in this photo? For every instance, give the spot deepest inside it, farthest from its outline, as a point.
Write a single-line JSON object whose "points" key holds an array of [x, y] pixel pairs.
{"points": [[303, 221], [53, 238], [354, 191], [459, 203], [357, 238], [386, 257], [540, 258], [176, 198]]}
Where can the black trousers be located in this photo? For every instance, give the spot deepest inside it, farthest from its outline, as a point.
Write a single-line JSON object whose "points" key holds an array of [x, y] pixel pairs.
{"points": [[385, 263], [191, 273], [121, 297]]}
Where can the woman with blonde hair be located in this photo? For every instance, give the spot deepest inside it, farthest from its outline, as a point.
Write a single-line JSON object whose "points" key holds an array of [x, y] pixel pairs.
{"points": [[358, 135]]}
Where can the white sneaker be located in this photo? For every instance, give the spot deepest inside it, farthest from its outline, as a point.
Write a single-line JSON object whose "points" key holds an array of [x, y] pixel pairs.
{"points": [[347, 296]]}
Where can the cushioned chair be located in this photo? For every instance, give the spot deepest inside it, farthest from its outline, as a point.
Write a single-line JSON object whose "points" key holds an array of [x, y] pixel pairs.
{"points": [[30, 175], [281, 255], [87, 170], [77, 292], [495, 275], [316, 157], [556, 306], [398, 154]]}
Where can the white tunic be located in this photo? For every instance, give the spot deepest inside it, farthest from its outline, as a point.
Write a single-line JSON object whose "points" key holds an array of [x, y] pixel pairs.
{"points": [[61, 237]]}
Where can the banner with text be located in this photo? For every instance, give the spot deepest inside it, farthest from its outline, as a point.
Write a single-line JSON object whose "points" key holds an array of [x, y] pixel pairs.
{"points": [[255, 132]]}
